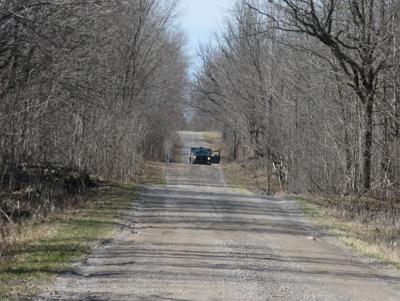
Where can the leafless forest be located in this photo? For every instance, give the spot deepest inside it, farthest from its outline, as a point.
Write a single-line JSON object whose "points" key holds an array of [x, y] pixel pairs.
{"points": [[95, 95], [85, 86], [310, 88]]}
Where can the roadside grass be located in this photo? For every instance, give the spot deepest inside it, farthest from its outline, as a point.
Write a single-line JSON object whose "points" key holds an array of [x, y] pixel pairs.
{"points": [[153, 173], [177, 156], [246, 177], [371, 238], [249, 177], [50, 247]]}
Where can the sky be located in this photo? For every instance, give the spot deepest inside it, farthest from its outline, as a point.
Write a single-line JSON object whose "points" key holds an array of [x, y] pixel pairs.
{"points": [[200, 19]]}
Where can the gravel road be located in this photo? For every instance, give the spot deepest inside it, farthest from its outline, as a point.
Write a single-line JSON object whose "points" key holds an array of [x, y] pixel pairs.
{"points": [[194, 240]]}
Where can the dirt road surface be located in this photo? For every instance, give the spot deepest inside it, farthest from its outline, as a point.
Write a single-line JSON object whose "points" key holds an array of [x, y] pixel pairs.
{"points": [[194, 240]]}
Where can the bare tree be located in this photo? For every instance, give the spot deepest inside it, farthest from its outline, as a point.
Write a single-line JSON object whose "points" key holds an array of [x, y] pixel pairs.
{"points": [[356, 34], [315, 84], [81, 87]]}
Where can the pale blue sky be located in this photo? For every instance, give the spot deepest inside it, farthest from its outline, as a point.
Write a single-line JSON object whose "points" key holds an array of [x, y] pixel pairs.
{"points": [[200, 19]]}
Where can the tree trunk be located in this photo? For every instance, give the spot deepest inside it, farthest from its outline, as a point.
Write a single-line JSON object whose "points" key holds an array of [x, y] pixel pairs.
{"points": [[368, 131]]}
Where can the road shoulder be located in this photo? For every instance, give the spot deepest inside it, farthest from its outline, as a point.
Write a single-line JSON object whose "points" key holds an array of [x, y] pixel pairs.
{"points": [[58, 244]]}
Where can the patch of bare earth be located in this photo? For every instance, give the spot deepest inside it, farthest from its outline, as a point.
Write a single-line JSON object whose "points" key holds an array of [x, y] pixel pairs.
{"points": [[153, 173]]}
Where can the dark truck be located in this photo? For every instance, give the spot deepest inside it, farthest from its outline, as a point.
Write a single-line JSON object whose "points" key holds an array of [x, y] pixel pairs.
{"points": [[193, 151], [202, 155]]}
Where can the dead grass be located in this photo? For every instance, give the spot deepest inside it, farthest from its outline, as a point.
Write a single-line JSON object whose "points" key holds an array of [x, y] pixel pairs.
{"points": [[177, 150], [372, 238], [153, 173], [249, 177], [49, 247], [243, 177]]}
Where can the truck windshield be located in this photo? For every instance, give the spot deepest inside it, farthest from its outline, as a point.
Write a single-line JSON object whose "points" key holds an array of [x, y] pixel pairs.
{"points": [[202, 152]]}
